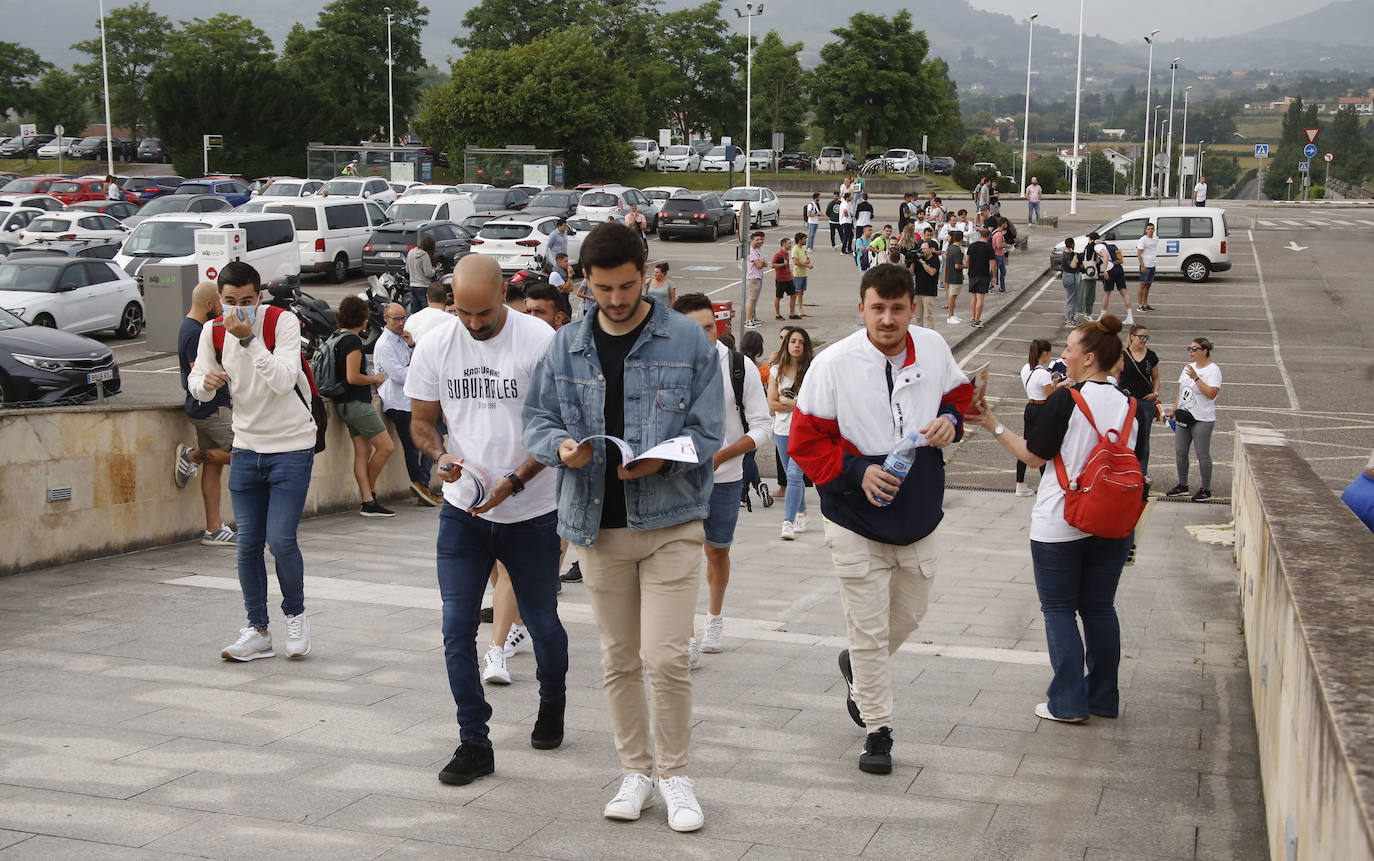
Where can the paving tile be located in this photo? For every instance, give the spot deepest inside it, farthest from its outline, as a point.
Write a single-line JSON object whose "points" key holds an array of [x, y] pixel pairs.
{"points": [[9, 838], [600, 838], [42, 848], [88, 817], [421, 850], [437, 823], [235, 837]]}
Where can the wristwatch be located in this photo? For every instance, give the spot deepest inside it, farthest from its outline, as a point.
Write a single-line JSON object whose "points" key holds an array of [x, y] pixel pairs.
{"points": [[999, 430], [516, 484], [246, 340]]}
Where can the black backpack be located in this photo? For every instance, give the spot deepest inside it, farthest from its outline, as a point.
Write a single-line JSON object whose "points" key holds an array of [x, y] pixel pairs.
{"points": [[737, 381]]}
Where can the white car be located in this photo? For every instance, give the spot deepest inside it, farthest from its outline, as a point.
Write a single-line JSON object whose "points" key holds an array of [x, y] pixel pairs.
{"points": [[58, 146], [171, 239], [75, 294], [421, 188], [431, 207], [292, 188], [516, 240], [400, 186], [16, 218], [371, 187], [73, 225], [679, 159], [532, 190], [659, 193], [715, 161], [613, 201], [37, 201], [472, 187], [902, 160], [761, 159], [646, 153], [763, 204]]}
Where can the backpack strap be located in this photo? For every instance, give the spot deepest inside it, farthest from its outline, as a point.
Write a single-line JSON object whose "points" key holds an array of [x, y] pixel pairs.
{"points": [[737, 381]]}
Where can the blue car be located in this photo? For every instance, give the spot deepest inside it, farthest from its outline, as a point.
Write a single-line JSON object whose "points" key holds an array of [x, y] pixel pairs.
{"points": [[236, 191]]}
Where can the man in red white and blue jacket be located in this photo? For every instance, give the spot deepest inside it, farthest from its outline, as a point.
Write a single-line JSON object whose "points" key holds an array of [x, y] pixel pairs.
{"points": [[860, 397]]}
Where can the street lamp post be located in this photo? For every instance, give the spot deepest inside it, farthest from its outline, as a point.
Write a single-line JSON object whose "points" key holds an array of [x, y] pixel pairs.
{"points": [[750, 14], [1025, 135], [105, 78], [1077, 110], [1169, 154], [1183, 146], [1154, 170], [1149, 77], [390, 103]]}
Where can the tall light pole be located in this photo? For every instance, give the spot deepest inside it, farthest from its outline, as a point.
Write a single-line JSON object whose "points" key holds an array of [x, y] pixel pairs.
{"points": [[1169, 154], [390, 103], [1183, 145], [1154, 171], [1025, 136], [1077, 108], [749, 14], [1149, 77], [105, 78]]}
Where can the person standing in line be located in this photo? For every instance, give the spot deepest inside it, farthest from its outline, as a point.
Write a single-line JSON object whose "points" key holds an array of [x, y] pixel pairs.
{"points": [[863, 258], [475, 371], [785, 376], [274, 450], [1112, 275], [801, 267], [1036, 379], [392, 355], [1139, 378], [999, 252], [751, 345], [982, 270], [902, 212], [832, 213], [420, 272], [1200, 192], [433, 315], [560, 277], [1034, 193], [862, 396], [1195, 415], [558, 241], [638, 527], [635, 220], [112, 189], [954, 272], [1071, 274], [1089, 262], [1147, 254], [863, 213], [1076, 574], [782, 280], [747, 426], [813, 219], [924, 263], [660, 286], [213, 421], [753, 279], [846, 224], [372, 445]]}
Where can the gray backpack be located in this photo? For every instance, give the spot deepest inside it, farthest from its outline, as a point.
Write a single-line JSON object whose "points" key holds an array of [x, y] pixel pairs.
{"points": [[325, 366]]}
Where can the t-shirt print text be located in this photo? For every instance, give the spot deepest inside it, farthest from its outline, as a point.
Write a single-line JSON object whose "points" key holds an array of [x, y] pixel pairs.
{"points": [[483, 384]]}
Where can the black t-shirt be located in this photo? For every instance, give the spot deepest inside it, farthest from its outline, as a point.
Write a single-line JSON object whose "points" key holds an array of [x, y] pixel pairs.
{"points": [[980, 258], [1071, 262], [954, 257], [347, 344], [611, 351], [1137, 377], [1052, 422], [926, 283], [188, 344]]}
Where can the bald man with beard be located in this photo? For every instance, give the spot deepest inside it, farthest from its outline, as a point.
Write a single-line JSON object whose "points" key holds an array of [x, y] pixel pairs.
{"points": [[499, 503]]}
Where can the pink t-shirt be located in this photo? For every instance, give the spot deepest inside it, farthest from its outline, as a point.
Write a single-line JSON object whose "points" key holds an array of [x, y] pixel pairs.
{"points": [[1033, 192], [755, 267]]}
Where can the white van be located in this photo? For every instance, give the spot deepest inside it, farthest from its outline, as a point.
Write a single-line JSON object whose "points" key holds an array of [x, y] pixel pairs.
{"points": [[431, 207], [1192, 240], [331, 231], [171, 238], [835, 159]]}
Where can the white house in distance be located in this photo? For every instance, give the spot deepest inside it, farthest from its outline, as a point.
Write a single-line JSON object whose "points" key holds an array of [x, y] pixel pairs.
{"points": [[1121, 162]]}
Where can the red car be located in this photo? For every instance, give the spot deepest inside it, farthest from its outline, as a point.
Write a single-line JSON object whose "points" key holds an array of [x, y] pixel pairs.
{"points": [[31, 184], [71, 191]]}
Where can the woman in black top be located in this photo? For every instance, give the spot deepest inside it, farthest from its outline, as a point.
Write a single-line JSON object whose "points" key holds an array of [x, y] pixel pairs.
{"points": [[372, 445], [1140, 379], [1071, 270]]}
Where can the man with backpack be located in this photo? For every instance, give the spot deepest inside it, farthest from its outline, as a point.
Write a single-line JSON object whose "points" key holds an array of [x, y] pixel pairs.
{"points": [[832, 213], [257, 349], [811, 214], [748, 427]]}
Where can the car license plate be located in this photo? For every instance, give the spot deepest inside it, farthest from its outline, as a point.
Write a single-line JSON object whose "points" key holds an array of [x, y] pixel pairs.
{"points": [[100, 376], [390, 254]]}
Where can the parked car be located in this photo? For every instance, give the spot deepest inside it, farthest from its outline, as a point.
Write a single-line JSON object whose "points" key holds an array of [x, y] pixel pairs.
{"points": [[73, 225], [58, 146], [763, 204], [371, 187], [30, 184], [7, 176], [899, 160], [715, 161], [194, 204], [646, 153], [401, 187], [39, 365], [761, 159], [71, 191], [270, 242], [386, 248], [702, 147], [836, 158], [422, 188], [980, 166], [556, 202], [431, 207], [292, 187], [119, 209], [125, 150], [6, 248], [233, 190], [516, 240], [91, 147], [679, 159], [25, 145], [942, 164], [1192, 240], [141, 189], [15, 218], [613, 201], [330, 231], [258, 204], [74, 294], [532, 190], [702, 214], [472, 187], [796, 161], [150, 149], [474, 222], [99, 249], [499, 200], [37, 201], [659, 193]]}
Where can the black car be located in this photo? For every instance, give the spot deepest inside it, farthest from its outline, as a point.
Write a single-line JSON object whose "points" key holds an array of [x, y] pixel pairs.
{"points": [[179, 203], [150, 149], [796, 161], [26, 145], [558, 202], [696, 215], [498, 199], [386, 249], [39, 365], [91, 147], [941, 164], [120, 209]]}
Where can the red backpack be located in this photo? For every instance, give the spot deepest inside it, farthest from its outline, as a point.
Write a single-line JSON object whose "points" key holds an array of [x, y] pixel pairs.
{"points": [[318, 411], [1108, 496]]}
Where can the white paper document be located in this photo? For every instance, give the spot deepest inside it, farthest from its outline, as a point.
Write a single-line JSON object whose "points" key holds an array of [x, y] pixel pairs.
{"points": [[679, 448]]}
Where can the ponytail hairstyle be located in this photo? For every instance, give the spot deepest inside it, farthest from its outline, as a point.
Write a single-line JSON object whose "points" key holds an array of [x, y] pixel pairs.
{"points": [[1102, 338], [1038, 348]]}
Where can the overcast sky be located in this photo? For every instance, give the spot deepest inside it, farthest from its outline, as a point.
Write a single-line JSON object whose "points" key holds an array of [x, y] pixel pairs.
{"points": [[1125, 20]]}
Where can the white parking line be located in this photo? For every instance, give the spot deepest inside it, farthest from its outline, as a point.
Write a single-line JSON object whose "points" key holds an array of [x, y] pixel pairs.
{"points": [[734, 283], [1269, 312], [1002, 328]]}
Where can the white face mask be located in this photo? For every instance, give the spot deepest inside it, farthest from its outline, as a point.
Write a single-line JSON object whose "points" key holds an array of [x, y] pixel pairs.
{"points": [[248, 312]]}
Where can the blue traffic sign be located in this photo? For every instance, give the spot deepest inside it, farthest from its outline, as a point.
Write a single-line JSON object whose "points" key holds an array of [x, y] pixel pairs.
{"points": [[1302, 167], [1310, 150], [1261, 150]]}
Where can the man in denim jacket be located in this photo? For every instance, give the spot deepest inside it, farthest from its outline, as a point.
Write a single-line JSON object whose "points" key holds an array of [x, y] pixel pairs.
{"points": [[633, 369]]}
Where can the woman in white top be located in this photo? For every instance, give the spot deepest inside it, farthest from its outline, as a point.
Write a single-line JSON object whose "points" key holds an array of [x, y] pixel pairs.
{"points": [[1075, 573], [784, 382], [1195, 414], [1036, 379]]}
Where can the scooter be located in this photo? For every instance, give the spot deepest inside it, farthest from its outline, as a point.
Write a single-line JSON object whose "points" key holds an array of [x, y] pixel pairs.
{"points": [[317, 319]]}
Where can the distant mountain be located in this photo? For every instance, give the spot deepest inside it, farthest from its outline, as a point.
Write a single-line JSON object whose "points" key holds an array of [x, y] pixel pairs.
{"points": [[1345, 22], [1339, 35]]}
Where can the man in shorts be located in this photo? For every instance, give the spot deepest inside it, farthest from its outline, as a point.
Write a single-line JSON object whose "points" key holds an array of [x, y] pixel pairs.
{"points": [[982, 269], [1147, 254], [213, 421], [954, 272], [753, 279], [782, 279], [801, 265], [1113, 276]]}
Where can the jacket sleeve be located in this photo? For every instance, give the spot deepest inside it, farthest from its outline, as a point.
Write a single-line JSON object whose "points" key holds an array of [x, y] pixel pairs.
{"points": [[756, 406], [281, 367], [815, 441], [542, 418], [206, 361], [705, 422]]}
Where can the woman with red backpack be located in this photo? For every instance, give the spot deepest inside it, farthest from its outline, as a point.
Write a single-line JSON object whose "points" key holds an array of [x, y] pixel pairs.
{"points": [[1082, 524]]}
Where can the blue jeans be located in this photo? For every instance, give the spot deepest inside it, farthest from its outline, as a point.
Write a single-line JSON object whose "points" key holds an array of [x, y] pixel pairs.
{"points": [[268, 491], [811, 235], [417, 464], [1078, 579], [419, 298], [468, 547], [1002, 272], [1034, 209], [795, 501]]}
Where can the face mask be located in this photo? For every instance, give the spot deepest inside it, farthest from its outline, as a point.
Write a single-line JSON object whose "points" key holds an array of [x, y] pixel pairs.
{"points": [[248, 311]]}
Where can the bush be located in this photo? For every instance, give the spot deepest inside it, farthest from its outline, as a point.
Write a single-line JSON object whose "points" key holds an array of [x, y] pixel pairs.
{"points": [[966, 177], [1316, 192], [1050, 171]]}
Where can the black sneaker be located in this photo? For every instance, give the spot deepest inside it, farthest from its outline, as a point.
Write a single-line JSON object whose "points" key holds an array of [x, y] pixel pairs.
{"points": [[488, 614], [1202, 495], [548, 727], [470, 761], [373, 508], [765, 494], [1178, 490], [877, 754], [848, 672], [572, 575]]}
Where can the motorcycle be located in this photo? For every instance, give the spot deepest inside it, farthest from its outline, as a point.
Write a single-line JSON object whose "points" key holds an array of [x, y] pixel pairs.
{"points": [[317, 319], [536, 273]]}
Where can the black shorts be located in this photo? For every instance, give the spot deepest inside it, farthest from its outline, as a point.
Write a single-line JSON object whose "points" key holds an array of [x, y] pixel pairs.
{"points": [[979, 283], [1115, 279], [784, 288]]}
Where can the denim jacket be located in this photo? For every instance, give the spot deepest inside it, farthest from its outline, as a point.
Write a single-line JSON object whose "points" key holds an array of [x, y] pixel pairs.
{"points": [[672, 387]]}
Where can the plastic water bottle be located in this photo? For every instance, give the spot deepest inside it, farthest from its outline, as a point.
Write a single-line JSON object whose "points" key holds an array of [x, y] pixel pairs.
{"points": [[899, 460]]}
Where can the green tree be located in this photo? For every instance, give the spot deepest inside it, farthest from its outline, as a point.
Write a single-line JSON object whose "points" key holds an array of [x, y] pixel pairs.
{"points": [[621, 26], [227, 39], [560, 91], [61, 98], [1099, 178], [694, 80], [134, 37], [1283, 161], [1221, 169], [779, 102], [1348, 144], [19, 70], [941, 106], [343, 62]]}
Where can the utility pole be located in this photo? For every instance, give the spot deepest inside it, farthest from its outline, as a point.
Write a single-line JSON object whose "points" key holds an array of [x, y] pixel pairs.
{"points": [[1149, 77], [1025, 135]]}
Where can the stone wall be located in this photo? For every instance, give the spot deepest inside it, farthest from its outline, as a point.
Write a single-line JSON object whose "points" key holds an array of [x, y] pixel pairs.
{"points": [[1305, 563], [118, 462]]}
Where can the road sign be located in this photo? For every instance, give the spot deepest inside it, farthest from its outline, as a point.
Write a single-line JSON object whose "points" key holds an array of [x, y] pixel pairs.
{"points": [[213, 141], [1302, 167], [1311, 135], [1329, 157], [1261, 150], [59, 130], [1310, 150], [1289, 181]]}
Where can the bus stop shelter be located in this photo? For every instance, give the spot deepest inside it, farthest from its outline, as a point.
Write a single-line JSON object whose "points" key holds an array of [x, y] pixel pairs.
{"points": [[513, 165], [392, 163]]}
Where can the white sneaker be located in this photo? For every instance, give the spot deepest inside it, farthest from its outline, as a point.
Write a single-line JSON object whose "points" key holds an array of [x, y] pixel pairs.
{"points": [[297, 636], [251, 645], [517, 641], [693, 654], [799, 524], [788, 530], [184, 467], [636, 793], [494, 670], [715, 628], [225, 537], [1023, 490], [954, 321], [684, 813], [1130, 320]]}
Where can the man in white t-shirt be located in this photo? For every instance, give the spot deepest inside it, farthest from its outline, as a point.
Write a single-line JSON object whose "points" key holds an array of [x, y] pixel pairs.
{"points": [[813, 219], [499, 503], [432, 315], [1200, 192], [847, 223], [741, 376], [1147, 254]]}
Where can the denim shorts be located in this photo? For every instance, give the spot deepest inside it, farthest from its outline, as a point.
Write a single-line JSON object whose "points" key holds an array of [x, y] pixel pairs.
{"points": [[1147, 275], [724, 514]]}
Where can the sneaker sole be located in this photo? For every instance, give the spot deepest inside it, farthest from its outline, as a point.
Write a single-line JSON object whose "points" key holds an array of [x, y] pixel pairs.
{"points": [[875, 768], [847, 671], [713, 649], [495, 681], [377, 514], [626, 817], [684, 829], [210, 542], [228, 657], [291, 654], [464, 779]]}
